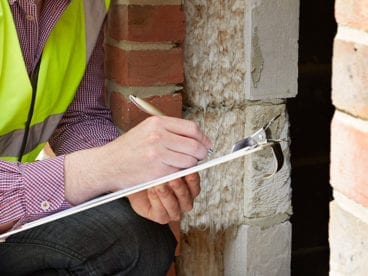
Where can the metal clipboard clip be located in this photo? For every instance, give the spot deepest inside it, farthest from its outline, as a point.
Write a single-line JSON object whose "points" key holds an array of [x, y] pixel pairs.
{"points": [[262, 137]]}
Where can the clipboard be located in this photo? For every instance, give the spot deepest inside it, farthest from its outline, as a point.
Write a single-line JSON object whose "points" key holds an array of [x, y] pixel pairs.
{"points": [[137, 188]]}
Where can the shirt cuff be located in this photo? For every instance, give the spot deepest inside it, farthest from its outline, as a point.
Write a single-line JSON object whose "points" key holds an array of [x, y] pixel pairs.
{"points": [[43, 184]]}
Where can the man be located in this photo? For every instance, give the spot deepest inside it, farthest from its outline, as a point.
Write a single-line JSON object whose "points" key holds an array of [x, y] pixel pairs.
{"points": [[51, 83]]}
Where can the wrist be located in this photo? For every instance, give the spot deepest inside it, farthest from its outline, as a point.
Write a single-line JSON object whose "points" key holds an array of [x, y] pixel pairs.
{"points": [[83, 175]]}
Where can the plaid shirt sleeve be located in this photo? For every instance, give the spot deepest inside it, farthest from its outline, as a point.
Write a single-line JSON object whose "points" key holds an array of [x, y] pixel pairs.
{"points": [[87, 122], [31, 190]]}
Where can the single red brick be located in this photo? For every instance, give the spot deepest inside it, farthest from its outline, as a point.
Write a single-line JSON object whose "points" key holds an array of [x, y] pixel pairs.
{"points": [[349, 158], [350, 77], [352, 13], [144, 68], [146, 23], [126, 115]]}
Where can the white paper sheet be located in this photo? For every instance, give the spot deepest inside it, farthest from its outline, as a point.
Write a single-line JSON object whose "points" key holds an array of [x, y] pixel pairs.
{"points": [[128, 191]]}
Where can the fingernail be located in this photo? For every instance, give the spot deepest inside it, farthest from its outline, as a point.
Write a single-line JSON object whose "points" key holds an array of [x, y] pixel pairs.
{"points": [[162, 189]]}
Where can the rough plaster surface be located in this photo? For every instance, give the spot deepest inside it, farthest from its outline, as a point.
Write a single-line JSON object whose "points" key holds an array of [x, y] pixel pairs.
{"points": [[234, 192], [214, 52], [233, 54], [258, 251]]}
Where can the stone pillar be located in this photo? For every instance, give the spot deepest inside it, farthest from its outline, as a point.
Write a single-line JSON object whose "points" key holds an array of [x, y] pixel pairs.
{"points": [[240, 67]]}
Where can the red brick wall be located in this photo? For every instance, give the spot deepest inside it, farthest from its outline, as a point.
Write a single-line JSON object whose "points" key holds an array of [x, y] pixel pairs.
{"points": [[349, 139], [144, 56], [352, 13]]}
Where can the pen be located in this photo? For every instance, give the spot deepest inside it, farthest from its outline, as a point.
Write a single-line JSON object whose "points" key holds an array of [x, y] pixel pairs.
{"points": [[145, 106], [150, 109]]}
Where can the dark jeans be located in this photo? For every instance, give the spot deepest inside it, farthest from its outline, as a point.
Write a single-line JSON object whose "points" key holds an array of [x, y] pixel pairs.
{"points": [[107, 240]]}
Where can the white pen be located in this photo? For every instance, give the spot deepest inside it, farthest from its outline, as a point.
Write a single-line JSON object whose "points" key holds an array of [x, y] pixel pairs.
{"points": [[145, 106], [150, 109]]}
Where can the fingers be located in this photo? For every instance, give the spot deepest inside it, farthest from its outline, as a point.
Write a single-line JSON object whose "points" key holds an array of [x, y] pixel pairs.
{"points": [[188, 129], [178, 160], [158, 204], [148, 205], [164, 205], [185, 145], [181, 136], [175, 197], [193, 182], [180, 127], [183, 194], [168, 201], [162, 145]]}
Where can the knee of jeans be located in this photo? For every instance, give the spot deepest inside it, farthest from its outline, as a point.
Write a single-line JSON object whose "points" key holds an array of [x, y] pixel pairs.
{"points": [[156, 250], [149, 250]]}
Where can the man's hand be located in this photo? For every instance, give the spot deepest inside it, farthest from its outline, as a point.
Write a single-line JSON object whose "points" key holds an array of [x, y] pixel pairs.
{"points": [[158, 146], [168, 201], [6, 226]]}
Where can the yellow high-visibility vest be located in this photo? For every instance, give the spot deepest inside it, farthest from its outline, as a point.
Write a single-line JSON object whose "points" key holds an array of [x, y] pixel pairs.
{"points": [[31, 107]]}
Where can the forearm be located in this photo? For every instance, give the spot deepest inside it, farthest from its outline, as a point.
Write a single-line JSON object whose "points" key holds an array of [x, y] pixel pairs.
{"points": [[156, 147], [95, 171], [83, 177]]}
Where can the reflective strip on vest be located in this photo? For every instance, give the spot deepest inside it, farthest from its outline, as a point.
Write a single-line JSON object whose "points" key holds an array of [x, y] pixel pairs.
{"points": [[62, 67], [39, 132]]}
